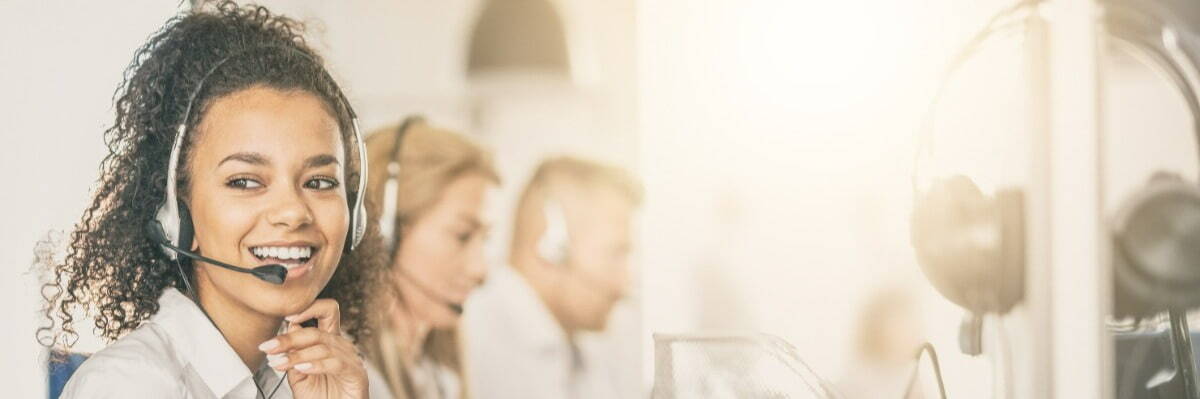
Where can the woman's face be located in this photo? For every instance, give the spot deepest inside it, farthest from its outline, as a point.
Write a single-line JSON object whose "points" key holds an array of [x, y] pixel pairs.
{"points": [[440, 258], [266, 188]]}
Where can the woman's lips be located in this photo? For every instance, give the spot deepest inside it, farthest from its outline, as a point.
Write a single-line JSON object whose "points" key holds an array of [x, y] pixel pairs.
{"points": [[297, 271]]}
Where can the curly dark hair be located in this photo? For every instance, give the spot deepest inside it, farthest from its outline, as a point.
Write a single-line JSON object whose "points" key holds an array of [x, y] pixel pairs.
{"points": [[111, 269]]}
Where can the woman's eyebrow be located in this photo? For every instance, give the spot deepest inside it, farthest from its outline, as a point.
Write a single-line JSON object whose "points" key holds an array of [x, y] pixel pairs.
{"points": [[255, 158], [317, 161], [252, 158]]}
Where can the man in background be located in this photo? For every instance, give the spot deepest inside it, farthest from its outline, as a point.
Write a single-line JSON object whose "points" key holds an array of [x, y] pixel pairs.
{"points": [[568, 267]]}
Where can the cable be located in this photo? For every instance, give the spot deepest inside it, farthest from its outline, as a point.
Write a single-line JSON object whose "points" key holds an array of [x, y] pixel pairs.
{"points": [[937, 370], [192, 295]]}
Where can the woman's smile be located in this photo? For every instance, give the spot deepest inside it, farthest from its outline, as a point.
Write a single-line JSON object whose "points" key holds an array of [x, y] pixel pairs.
{"points": [[266, 189], [296, 256]]}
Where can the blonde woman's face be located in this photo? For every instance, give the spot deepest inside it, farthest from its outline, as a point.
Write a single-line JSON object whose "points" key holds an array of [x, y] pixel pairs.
{"points": [[440, 260], [266, 188]]}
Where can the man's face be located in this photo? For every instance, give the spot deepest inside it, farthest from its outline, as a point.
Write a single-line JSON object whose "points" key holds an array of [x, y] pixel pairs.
{"points": [[596, 273]]}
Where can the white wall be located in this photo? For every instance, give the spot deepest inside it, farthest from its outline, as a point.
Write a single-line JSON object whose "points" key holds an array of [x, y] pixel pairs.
{"points": [[777, 145], [61, 62], [777, 139]]}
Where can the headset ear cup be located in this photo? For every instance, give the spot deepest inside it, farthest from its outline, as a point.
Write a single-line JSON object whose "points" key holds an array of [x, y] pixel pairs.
{"points": [[352, 231], [969, 246], [360, 223], [1156, 236], [187, 231], [357, 227], [937, 223], [552, 246], [1129, 286]]}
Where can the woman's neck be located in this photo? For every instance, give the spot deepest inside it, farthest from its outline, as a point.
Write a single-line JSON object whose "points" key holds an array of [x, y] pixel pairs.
{"points": [[243, 328], [411, 333]]}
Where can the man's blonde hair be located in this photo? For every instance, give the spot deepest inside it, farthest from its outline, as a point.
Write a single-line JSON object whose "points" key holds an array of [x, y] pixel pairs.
{"points": [[555, 173]]}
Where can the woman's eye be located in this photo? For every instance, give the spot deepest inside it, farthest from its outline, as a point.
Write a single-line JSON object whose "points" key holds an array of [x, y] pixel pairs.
{"points": [[243, 183], [321, 183], [463, 238]]}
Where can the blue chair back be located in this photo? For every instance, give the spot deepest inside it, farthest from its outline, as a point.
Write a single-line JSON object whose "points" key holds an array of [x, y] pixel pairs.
{"points": [[60, 366]]}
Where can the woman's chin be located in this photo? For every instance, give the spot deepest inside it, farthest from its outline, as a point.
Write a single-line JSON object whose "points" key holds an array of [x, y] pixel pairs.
{"points": [[283, 304], [447, 320]]}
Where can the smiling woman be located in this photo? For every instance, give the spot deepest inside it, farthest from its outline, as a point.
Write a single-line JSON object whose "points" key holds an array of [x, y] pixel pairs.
{"points": [[275, 159], [269, 175]]}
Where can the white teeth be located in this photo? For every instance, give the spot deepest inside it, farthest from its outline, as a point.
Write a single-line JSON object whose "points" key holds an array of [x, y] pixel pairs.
{"points": [[282, 252]]}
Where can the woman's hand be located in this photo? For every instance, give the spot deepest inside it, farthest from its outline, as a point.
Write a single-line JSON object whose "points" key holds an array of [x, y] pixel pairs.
{"points": [[321, 363]]}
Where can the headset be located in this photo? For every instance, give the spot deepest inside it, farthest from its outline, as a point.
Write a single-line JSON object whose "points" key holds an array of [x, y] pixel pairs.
{"points": [[172, 226], [971, 246], [1156, 231], [554, 247], [388, 225]]}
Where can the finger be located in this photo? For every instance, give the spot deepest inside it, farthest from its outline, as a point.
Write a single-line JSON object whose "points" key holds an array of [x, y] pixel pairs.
{"points": [[297, 339], [329, 365], [283, 361], [326, 311]]}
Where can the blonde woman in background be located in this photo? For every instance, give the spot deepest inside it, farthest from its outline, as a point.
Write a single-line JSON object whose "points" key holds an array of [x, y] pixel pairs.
{"points": [[429, 187]]}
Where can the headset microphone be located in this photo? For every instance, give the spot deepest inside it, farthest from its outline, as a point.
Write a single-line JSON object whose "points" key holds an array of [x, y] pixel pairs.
{"points": [[274, 273]]}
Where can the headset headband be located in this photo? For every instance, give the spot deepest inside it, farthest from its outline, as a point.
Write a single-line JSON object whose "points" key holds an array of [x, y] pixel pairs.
{"points": [[168, 214], [388, 224]]}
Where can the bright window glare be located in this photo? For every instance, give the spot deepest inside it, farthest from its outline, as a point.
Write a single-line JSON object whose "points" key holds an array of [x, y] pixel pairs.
{"points": [[818, 57]]}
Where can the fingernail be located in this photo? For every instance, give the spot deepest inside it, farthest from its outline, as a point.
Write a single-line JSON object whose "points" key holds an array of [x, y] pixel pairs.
{"points": [[303, 366], [266, 346], [291, 318], [276, 361]]}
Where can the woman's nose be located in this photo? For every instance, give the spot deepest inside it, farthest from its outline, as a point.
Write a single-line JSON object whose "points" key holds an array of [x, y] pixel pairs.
{"points": [[289, 210], [476, 267]]}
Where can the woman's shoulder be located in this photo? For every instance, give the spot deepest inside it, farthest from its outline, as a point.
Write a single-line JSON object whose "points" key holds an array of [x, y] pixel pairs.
{"points": [[140, 364]]}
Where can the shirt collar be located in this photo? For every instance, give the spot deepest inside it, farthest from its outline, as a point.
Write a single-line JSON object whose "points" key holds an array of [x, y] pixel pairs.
{"points": [[199, 344]]}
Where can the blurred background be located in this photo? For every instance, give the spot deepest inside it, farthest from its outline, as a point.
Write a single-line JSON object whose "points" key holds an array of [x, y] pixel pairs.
{"points": [[775, 140]]}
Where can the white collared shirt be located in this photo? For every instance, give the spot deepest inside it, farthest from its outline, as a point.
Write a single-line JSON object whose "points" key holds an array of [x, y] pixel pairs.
{"points": [[516, 349], [178, 353]]}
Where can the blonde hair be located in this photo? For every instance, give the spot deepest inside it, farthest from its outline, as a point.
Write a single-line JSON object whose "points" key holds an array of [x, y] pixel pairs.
{"points": [[430, 159]]}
